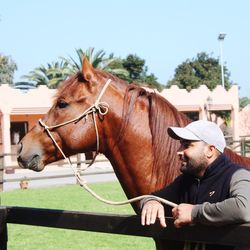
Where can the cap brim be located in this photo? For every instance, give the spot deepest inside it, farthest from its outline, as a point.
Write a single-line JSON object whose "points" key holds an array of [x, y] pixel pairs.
{"points": [[182, 133]]}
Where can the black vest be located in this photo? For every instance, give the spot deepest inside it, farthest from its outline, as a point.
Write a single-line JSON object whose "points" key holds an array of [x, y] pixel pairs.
{"points": [[212, 187]]}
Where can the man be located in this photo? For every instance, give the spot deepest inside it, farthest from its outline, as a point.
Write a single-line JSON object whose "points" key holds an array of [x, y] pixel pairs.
{"points": [[211, 189]]}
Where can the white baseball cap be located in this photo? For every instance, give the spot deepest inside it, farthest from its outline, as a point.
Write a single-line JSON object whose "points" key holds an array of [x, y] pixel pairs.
{"points": [[201, 130]]}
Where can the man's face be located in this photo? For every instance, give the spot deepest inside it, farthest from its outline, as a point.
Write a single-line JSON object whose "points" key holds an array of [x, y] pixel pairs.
{"points": [[193, 157]]}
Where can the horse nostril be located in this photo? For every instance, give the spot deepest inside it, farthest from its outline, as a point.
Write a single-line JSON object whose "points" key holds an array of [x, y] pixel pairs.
{"points": [[21, 163], [19, 148], [19, 159]]}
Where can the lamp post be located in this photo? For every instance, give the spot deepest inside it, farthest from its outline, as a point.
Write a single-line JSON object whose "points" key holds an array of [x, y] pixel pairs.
{"points": [[221, 38], [207, 107]]}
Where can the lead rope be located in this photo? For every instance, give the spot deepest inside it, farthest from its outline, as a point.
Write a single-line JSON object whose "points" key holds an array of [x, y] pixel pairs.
{"points": [[102, 108]]}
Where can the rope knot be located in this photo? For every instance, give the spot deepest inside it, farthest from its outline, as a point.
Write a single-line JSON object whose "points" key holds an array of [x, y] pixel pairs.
{"points": [[101, 107], [43, 124]]}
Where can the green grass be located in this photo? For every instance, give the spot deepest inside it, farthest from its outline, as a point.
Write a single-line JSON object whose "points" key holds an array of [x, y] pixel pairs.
{"points": [[70, 197]]}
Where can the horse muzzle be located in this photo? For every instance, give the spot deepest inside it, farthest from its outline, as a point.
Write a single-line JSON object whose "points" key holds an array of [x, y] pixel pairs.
{"points": [[34, 163]]}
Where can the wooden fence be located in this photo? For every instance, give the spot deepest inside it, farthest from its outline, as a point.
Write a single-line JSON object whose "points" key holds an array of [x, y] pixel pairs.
{"points": [[78, 163], [241, 147], [234, 235], [1, 172]]}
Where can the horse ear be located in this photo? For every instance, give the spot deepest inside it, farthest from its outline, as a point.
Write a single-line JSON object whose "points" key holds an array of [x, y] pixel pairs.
{"points": [[87, 69]]}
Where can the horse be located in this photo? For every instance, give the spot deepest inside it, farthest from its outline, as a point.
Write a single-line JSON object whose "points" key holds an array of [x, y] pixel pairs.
{"points": [[126, 122]]}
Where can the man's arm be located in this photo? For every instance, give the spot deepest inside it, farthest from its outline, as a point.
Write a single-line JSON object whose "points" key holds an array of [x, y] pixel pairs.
{"points": [[152, 209], [235, 209]]}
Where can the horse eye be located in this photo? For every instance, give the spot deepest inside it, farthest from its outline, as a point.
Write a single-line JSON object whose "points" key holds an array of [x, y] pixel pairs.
{"points": [[62, 104]]}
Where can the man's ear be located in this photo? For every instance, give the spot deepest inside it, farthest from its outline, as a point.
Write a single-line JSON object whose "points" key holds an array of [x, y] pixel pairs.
{"points": [[87, 70], [211, 151]]}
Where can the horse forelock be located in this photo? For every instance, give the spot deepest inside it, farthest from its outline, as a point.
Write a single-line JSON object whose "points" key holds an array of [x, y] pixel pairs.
{"points": [[65, 88]]}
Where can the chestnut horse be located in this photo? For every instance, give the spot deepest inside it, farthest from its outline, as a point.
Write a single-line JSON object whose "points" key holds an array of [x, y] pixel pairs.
{"points": [[131, 127]]}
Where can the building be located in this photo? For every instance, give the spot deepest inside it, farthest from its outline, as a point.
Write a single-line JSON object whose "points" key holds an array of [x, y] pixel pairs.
{"points": [[244, 121], [19, 111], [203, 103]]}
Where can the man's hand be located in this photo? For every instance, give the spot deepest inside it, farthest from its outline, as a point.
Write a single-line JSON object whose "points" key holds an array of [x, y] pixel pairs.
{"points": [[152, 210], [182, 214]]}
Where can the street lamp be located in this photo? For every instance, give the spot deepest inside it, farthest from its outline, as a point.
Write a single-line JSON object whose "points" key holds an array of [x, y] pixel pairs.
{"points": [[221, 38]]}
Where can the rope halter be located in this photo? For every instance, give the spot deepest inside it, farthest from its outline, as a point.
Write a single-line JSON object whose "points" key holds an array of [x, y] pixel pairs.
{"points": [[98, 107]]}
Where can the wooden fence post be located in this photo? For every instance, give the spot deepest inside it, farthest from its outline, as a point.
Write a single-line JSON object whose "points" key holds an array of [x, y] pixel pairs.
{"points": [[78, 165], [3, 229], [243, 147], [1, 172]]}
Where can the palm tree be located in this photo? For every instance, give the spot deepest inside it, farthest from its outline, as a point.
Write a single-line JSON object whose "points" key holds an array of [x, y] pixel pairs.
{"points": [[7, 69], [99, 61], [53, 73], [50, 75]]}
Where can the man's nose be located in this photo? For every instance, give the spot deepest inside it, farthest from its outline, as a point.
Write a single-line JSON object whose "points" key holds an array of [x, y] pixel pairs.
{"points": [[180, 155]]}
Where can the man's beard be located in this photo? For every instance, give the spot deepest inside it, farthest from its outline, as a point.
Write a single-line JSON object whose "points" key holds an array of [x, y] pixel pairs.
{"points": [[192, 166]]}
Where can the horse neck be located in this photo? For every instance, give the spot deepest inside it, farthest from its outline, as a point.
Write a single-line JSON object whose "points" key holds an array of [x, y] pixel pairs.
{"points": [[142, 154], [130, 153]]}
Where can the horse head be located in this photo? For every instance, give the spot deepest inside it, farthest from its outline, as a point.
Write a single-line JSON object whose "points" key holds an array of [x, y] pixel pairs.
{"points": [[75, 121]]}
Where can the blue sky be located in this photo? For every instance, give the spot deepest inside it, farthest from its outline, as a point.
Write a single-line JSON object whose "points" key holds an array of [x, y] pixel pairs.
{"points": [[165, 33]]}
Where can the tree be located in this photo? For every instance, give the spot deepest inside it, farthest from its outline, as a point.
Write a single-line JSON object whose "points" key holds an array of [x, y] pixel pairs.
{"points": [[130, 69], [203, 69], [135, 66], [50, 75], [244, 101], [139, 72], [7, 69], [116, 68], [94, 59], [98, 60], [53, 73]]}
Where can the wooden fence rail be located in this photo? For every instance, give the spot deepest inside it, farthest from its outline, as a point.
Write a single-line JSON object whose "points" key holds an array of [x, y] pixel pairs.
{"points": [[234, 235], [241, 147], [77, 163]]}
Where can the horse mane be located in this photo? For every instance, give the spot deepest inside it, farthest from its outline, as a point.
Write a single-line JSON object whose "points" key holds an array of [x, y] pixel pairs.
{"points": [[162, 114]]}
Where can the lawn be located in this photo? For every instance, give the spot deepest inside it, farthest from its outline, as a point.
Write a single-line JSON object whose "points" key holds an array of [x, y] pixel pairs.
{"points": [[70, 197]]}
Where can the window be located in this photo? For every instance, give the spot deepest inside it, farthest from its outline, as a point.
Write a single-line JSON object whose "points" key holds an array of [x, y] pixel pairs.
{"points": [[18, 131], [194, 116]]}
